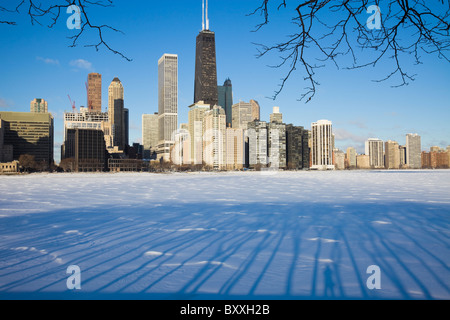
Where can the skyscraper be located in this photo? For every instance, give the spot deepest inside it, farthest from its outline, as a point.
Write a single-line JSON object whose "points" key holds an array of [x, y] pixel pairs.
{"points": [[374, 149], [413, 151], [150, 134], [322, 145], [297, 150], [258, 144], [196, 114], [214, 138], [225, 93], [205, 85], [392, 155], [39, 106], [117, 113], [351, 157], [167, 103], [94, 92]]}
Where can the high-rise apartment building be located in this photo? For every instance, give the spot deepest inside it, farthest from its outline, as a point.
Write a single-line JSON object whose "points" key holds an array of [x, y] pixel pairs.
{"points": [[276, 116], [413, 151], [150, 134], [322, 145], [167, 103], [214, 138], [94, 92], [39, 106], [276, 145], [243, 113], [225, 97], [297, 149], [258, 144], [205, 85], [117, 113], [351, 158], [235, 151], [375, 151], [29, 133], [196, 115], [256, 110], [392, 155]]}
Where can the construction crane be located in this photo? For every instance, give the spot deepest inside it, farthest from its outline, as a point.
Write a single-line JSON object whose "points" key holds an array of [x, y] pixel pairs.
{"points": [[74, 108]]}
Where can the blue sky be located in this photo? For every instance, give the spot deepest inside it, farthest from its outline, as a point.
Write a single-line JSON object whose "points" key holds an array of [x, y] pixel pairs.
{"points": [[37, 62]]}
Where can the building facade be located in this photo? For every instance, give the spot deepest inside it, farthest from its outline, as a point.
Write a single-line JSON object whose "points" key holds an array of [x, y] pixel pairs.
{"points": [[276, 116], [351, 158], [413, 151], [116, 113], [94, 92], [39, 106], [205, 85], [225, 98], [87, 148], [392, 155], [150, 135], [375, 151], [214, 138], [29, 133], [167, 104], [257, 144], [276, 145], [297, 149], [322, 145], [235, 149], [196, 115]]}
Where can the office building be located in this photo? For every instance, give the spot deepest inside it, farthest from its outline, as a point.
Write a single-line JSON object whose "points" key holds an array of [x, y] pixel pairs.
{"points": [[375, 151], [150, 135], [94, 92], [205, 85], [116, 113], [225, 98], [87, 149], [167, 104], [256, 110], [29, 133], [39, 106], [322, 145]]}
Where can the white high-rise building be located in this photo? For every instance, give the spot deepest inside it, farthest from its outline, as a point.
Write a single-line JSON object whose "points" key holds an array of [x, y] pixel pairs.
{"points": [[375, 151], [167, 103], [150, 134], [116, 113], [196, 114], [413, 151], [322, 145], [214, 138]]}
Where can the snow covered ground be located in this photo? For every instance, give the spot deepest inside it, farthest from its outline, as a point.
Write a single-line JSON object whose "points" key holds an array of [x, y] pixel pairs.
{"points": [[304, 235]]}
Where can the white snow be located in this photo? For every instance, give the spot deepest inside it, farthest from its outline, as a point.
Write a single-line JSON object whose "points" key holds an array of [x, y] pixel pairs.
{"points": [[289, 235]]}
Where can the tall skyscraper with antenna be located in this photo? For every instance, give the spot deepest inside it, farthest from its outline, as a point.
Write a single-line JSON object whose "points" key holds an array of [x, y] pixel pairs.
{"points": [[205, 87]]}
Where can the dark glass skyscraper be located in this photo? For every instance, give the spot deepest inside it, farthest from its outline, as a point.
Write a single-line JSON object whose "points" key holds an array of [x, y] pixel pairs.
{"points": [[225, 94], [205, 86]]}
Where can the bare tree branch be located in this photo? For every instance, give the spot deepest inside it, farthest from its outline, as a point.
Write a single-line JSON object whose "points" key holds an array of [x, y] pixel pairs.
{"points": [[408, 28]]}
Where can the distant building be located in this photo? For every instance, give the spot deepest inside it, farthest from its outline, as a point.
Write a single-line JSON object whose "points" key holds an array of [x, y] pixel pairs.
{"points": [[214, 138], [392, 155], [322, 145], [29, 133], [413, 151], [351, 157], [258, 144], [375, 151], [276, 116], [87, 148], [339, 159], [435, 159], [9, 167], [276, 145], [235, 150], [150, 135], [196, 115], [126, 119], [256, 110], [180, 153], [363, 161], [94, 94], [167, 103], [39, 106], [116, 112], [297, 149], [225, 97], [242, 115], [402, 152]]}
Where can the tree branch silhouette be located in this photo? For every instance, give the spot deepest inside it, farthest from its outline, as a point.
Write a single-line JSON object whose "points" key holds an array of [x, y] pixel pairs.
{"points": [[408, 28]]}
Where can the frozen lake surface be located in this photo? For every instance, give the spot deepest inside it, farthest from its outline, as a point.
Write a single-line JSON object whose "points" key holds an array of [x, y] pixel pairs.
{"points": [[290, 235]]}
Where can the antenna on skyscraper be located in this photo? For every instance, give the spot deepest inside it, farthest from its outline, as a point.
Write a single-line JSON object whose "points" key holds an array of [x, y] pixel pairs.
{"points": [[203, 15], [207, 19]]}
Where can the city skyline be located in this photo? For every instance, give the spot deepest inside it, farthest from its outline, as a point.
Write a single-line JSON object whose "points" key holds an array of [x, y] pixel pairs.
{"points": [[358, 107]]}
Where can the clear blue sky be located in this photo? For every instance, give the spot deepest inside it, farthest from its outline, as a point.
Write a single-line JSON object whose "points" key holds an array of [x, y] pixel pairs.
{"points": [[36, 62]]}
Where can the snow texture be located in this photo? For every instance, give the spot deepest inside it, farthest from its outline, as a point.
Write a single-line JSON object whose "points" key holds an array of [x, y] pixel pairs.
{"points": [[289, 235]]}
